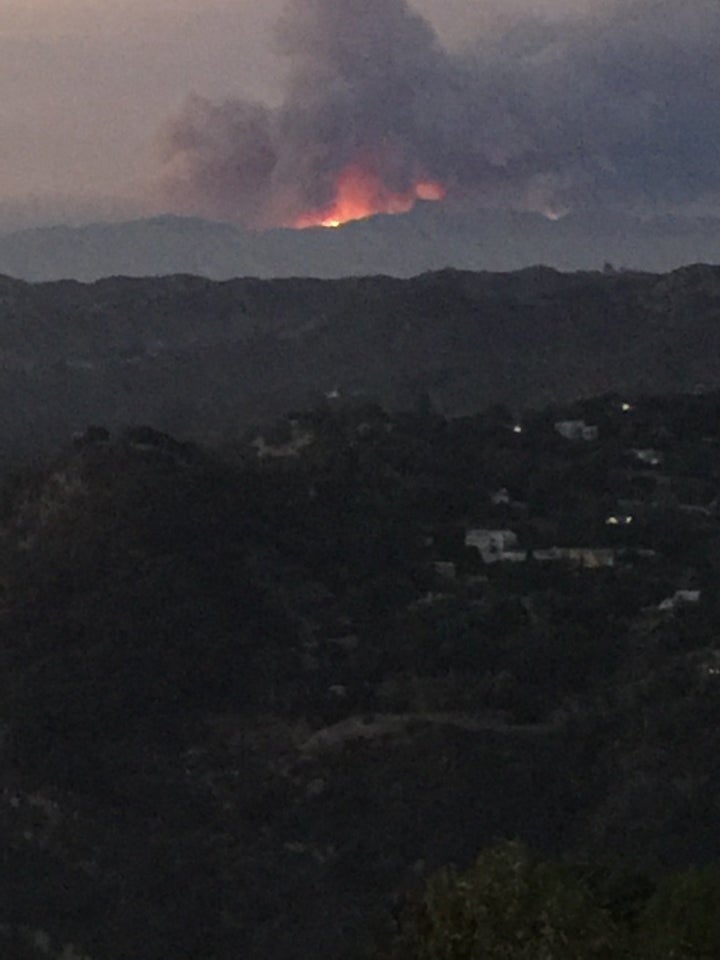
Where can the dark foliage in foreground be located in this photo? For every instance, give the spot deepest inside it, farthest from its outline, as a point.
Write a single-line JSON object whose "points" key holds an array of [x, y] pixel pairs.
{"points": [[244, 713], [511, 905]]}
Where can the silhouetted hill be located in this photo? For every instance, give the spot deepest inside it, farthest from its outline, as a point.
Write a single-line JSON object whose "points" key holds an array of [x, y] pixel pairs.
{"points": [[200, 358]]}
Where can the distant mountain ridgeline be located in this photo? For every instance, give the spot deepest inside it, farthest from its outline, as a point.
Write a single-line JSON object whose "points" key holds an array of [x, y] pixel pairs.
{"points": [[204, 359], [428, 238]]}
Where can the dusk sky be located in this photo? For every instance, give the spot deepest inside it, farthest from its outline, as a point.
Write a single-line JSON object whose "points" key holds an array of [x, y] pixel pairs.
{"points": [[531, 103]]}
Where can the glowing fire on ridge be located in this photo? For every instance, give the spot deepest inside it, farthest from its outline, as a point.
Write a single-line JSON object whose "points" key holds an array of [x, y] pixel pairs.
{"points": [[361, 193]]}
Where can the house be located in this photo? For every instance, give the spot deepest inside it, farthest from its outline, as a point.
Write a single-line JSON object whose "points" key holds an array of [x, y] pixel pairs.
{"points": [[492, 545], [680, 598], [576, 430], [514, 556], [591, 558], [648, 456]]}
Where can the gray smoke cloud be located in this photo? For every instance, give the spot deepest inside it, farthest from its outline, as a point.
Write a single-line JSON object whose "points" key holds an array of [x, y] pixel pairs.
{"points": [[615, 108]]}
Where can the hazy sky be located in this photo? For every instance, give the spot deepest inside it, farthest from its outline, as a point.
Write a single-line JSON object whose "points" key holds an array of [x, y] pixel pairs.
{"points": [[90, 86]]}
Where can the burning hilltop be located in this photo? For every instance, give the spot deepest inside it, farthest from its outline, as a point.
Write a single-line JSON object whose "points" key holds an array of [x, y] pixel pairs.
{"points": [[360, 193]]}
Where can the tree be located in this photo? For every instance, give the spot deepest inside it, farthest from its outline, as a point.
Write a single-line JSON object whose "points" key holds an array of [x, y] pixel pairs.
{"points": [[508, 906], [681, 920]]}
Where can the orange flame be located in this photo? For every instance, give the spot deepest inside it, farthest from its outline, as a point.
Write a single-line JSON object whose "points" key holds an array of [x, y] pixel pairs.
{"points": [[361, 193]]}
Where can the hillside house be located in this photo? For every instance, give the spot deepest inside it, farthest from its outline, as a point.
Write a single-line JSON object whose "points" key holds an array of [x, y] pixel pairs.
{"points": [[576, 430], [649, 457], [679, 598], [592, 558], [493, 545]]}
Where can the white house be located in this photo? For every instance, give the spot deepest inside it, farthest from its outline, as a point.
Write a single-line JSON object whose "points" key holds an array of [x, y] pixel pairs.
{"points": [[576, 430], [679, 598], [649, 457], [492, 545], [590, 557]]}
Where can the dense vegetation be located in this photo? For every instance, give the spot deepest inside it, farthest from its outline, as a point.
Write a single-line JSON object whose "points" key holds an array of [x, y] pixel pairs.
{"points": [[204, 360], [511, 905], [253, 695]]}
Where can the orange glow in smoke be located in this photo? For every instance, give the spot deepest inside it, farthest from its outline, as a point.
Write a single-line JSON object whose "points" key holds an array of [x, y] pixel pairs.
{"points": [[360, 193]]}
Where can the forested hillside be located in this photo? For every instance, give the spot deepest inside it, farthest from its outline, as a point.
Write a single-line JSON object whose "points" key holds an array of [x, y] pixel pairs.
{"points": [[205, 360], [254, 693]]}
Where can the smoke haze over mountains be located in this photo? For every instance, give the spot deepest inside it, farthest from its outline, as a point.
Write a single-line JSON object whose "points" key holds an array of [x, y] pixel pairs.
{"points": [[543, 105], [616, 107]]}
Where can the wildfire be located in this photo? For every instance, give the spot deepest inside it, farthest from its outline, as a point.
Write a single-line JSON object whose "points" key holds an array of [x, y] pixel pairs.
{"points": [[361, 193]]}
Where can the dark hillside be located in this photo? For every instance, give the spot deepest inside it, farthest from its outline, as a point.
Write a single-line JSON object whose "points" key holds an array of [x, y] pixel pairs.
{"points": [[205, 359], [250, 696]]}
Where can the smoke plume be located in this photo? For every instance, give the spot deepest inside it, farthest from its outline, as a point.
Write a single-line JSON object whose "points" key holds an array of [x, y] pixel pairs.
{"points": [[615, 108]]}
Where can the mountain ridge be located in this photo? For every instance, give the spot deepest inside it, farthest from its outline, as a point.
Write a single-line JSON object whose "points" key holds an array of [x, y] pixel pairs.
{"points": [[423, 240], [202, 358]]}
